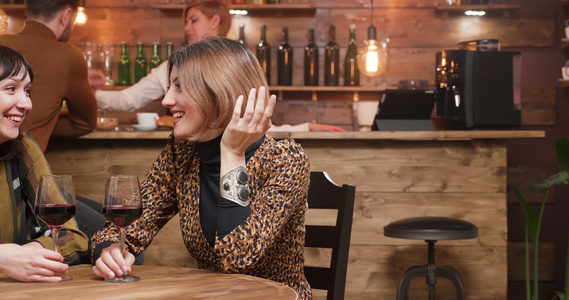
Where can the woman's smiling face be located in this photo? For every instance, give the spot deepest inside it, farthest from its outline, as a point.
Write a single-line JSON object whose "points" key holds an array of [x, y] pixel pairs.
{"points": [[188, 122], [15, 104]]}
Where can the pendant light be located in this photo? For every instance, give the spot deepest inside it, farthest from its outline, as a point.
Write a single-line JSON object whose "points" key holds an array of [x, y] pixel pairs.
{"points": [[81, 15], [372, 59], [3, 21]]}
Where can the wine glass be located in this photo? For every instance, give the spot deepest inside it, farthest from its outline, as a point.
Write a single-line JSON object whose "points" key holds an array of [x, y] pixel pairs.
{"points": [[122, 205], [107, 59], [55, 205]]}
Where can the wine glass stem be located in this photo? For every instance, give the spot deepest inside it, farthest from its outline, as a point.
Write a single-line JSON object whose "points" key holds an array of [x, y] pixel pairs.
{"points": [[122, 242], [55, 237]]}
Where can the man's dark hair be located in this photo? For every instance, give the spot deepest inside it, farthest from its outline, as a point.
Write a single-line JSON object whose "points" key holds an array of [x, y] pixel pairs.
{"points": [[47, 9]]}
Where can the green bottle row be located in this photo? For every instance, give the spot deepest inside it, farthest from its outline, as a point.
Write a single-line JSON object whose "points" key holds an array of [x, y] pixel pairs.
{"points": [[141, 65]]}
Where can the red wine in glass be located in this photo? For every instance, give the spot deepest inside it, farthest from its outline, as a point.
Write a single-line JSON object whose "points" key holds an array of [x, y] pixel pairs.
{"points": [[55, 205], [55, 214], [122, 206], [122, 215]]}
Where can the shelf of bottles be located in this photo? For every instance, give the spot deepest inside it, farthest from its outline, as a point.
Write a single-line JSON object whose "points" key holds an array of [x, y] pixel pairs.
{"points": [[250, 7], [504, 9]]}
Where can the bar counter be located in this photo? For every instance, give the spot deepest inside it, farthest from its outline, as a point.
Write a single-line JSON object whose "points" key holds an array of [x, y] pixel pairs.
{"points": [[397, 175]]}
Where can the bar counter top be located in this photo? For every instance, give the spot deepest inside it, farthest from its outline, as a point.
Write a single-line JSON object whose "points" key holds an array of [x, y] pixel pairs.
{"points": [[351, 135]]}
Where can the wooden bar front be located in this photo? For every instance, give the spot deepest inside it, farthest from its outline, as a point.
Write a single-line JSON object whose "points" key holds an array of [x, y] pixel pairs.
{"points": [[397, 175]]}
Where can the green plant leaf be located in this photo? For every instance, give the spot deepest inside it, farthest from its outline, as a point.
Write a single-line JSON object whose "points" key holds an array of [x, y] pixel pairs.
{"points": [[557, 179], [558, 295], [562, 148], [531, 217]]}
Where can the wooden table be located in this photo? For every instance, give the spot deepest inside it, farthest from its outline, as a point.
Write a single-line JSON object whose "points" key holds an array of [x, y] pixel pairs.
{"points": [[156, 283]]}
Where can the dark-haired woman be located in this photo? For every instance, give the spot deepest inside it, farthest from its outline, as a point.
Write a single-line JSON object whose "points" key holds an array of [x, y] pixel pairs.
{"points": [[25, 241]]}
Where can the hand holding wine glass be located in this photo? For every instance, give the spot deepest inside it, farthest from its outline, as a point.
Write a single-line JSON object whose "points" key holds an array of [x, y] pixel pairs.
{"points": [[122, 206], [55, 205]]}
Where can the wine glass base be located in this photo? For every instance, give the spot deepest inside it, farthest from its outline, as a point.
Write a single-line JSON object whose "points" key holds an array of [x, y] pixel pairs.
{"points": [[66, 277], [123, 278]]}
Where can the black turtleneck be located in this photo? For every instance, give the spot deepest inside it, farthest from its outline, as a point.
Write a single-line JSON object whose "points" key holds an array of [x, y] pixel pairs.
{"points": [[218, 215]]}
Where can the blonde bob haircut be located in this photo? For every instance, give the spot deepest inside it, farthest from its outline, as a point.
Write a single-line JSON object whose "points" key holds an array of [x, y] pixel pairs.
{"points": [[212, 74], [210, 9]]}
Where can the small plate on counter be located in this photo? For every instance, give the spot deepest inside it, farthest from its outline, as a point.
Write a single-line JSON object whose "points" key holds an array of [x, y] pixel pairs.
{"points": [[144, 127]]}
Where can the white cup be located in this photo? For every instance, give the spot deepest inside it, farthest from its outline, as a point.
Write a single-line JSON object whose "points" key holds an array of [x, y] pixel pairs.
{"points": [[567, 32], [565, 72], [147, 119]]}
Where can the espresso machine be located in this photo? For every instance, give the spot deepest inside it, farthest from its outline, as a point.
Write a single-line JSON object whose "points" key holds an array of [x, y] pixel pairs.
{"points": [[479, 89]]}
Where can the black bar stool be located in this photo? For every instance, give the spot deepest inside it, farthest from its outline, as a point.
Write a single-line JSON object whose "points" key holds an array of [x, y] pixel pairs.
{"points": [[431, 229]]}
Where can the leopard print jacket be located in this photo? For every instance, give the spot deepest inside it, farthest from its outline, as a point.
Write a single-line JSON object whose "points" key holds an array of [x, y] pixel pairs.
{"points": [[268, 244]]}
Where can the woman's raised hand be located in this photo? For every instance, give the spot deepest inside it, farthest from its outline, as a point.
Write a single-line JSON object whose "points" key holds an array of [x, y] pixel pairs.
{"points": [[256, 121]]}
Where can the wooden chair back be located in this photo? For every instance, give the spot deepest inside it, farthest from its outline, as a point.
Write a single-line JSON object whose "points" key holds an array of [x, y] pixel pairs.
{"points": [[323, 193]]}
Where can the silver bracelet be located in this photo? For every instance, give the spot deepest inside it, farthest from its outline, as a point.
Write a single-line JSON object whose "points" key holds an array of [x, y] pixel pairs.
{"points": [[233, 186]]}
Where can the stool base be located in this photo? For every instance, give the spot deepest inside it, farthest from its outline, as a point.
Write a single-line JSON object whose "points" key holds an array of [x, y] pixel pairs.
{"points": [[431, 272]]}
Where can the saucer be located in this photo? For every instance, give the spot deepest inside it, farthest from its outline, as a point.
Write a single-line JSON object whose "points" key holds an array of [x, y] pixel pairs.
{"points": [[144, 127]]}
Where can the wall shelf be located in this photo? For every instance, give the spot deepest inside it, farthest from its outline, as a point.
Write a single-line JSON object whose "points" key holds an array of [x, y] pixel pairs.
{"points": [[563, 82], [504, 9], [280, 89], [253, 7], [13, 8], [355, 90]]}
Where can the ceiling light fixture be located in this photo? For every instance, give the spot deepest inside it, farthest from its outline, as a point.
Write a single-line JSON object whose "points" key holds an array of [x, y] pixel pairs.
{"points": [[372, 59], [81, 15]]}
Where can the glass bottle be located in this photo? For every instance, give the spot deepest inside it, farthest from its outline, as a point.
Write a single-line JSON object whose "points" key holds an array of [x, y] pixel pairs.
{"points": [[242, 34], [331, 60], [264, 54], [284, 60], [169, 49], [155, 60], [311, 61], [351, 70], [139, 64], [124, 66]]}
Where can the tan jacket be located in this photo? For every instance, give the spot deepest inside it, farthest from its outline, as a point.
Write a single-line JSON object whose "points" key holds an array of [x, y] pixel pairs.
{"points": [[60, 73]]}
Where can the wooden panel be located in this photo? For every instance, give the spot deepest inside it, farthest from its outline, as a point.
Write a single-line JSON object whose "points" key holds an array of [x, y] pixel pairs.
{"points": [[415, 166], [539, 106], [374, 272], [372, 211], [517, 264], [525, 176]]}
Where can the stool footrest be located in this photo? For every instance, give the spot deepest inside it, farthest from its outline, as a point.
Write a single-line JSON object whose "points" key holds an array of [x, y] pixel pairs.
{"points": [[431, 272]]}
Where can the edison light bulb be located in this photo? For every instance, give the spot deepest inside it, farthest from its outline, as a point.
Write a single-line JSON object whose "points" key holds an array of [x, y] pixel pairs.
{"points": [[372, 59], [3, 22], [81, 16]]}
